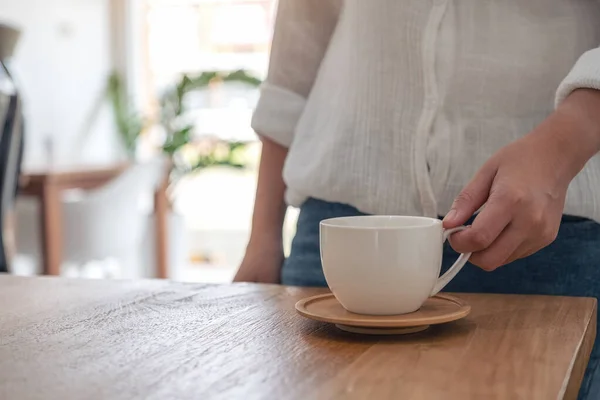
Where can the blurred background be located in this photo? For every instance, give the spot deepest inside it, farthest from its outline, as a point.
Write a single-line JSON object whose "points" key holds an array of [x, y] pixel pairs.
{"points": [[139, 159]]}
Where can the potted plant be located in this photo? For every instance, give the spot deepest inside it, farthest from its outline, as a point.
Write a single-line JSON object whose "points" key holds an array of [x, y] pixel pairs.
{"points": [[128, 122], [187, 152]]}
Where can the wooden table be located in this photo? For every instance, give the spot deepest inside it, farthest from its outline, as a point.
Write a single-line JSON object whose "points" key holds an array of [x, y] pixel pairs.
{"points": [[47, 184], [74, 339]]}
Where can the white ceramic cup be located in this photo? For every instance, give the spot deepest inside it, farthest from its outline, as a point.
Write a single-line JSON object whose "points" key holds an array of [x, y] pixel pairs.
{"points": [[385, 265]]}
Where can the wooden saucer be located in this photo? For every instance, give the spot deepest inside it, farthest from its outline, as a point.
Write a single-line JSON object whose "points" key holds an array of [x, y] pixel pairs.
{"points": [[439, 309]]}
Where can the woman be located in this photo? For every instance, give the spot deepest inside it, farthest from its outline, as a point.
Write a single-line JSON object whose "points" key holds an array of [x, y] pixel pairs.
{"points": [[434, 108]]}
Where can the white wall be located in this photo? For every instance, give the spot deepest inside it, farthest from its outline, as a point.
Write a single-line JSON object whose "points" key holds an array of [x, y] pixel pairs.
{"points": [[61, 65]]}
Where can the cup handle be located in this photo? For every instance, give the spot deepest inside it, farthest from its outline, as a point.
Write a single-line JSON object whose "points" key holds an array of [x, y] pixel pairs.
{"points": [[455, 268]]}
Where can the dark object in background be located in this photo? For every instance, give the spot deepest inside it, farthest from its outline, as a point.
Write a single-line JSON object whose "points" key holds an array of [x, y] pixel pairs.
{"points": [[12, 139]]}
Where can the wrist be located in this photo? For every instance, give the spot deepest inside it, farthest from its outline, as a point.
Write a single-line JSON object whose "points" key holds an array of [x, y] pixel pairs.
{"points": [[581, 112], [265, 241], [572, 133]]}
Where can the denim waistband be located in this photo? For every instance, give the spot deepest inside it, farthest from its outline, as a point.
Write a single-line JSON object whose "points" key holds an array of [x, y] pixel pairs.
{"points": [[332, 209]]}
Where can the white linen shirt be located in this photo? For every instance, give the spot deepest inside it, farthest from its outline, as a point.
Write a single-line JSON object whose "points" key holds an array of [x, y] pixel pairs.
{"points": [[392, 106]]}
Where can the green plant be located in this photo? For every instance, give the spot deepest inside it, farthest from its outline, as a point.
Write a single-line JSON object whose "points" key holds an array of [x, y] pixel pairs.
{"points": [[186, 152], [129, 123], [180, 133], [172, 104]]}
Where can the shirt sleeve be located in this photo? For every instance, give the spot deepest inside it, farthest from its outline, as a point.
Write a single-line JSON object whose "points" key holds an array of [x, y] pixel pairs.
{"points": [[584, 75], [303, 29]]}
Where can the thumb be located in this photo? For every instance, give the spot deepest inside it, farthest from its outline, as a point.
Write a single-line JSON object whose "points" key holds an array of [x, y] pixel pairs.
{"points": [[471, 199]]}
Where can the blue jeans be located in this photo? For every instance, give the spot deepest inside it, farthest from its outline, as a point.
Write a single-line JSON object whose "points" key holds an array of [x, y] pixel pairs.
{"points": [[568, 267]]}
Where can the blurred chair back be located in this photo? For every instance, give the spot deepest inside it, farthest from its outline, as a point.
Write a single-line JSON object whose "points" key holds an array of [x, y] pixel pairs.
{"points": [[11, 150], [109, 221]]}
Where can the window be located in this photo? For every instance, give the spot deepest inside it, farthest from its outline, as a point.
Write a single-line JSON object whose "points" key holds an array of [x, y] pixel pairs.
{"points": [[193, 36]]}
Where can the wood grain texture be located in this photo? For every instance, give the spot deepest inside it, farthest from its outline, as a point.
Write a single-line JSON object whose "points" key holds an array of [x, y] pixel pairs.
{"points": [[73, 339]]}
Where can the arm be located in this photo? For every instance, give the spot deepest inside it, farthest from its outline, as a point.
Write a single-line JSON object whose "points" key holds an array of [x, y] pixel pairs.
{"points": [[269, 206], [302, 33], [264, 254], [524, 185]]}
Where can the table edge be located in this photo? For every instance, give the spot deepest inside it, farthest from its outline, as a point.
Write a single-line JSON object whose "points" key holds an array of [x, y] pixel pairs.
{"points": [[571, 386]]}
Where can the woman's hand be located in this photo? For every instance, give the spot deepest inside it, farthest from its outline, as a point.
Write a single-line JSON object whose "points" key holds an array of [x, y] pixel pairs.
{"points": [[261, 264], [523, 187]]}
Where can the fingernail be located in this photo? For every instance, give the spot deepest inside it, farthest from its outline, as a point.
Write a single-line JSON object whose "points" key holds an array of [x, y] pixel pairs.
{"points": [[450, 216]]}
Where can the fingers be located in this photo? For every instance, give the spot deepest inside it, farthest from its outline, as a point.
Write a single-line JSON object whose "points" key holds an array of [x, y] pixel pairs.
{"points": [[502, 251], [524, 251], [486, 228], [505, 231], [472, 198], [511, 226], [522, 199]]}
